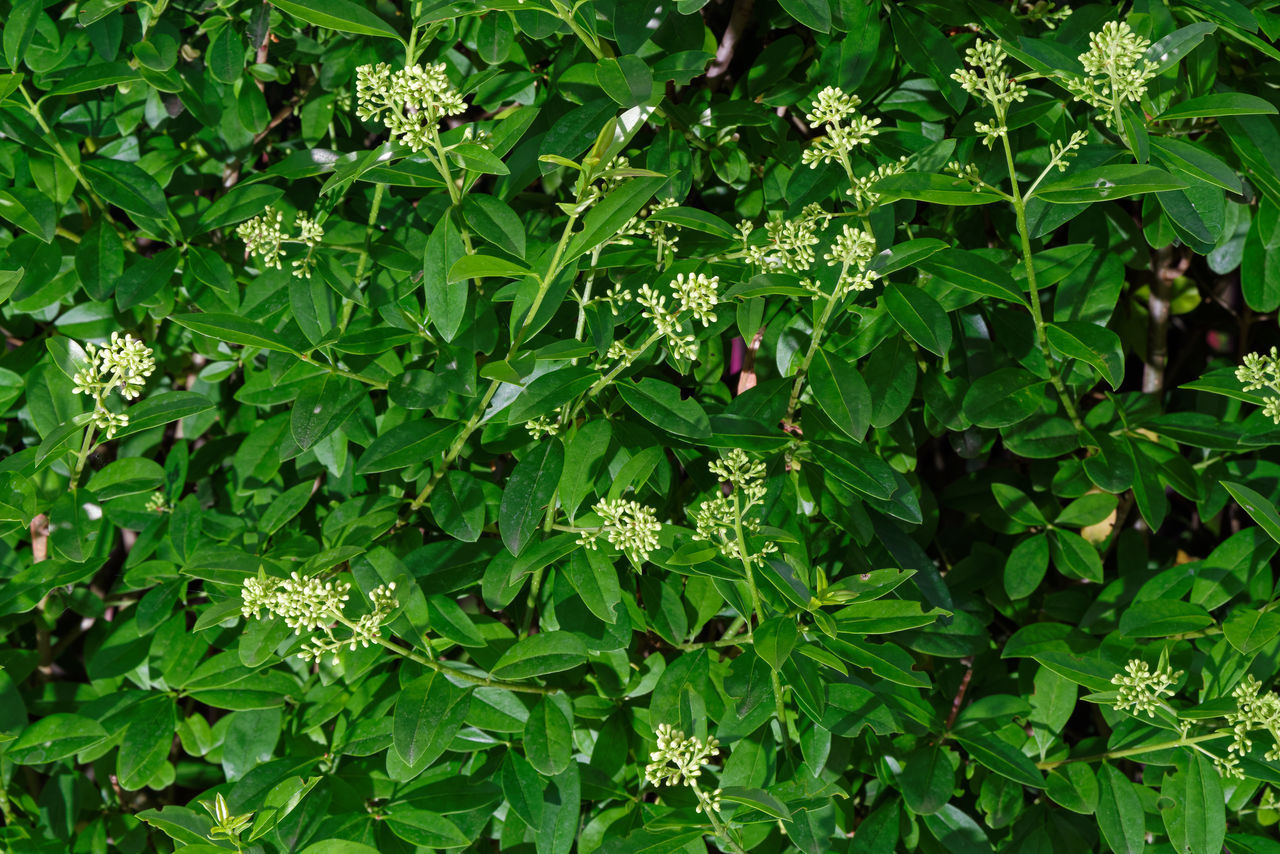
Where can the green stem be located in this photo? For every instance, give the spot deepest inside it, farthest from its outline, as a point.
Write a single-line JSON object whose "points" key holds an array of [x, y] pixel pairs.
{"points": [[1132, 751], [721, 831], [758, 611], [486, 681], [814, 341], [74, 166], [85, 447], [1024, 233], [351, 375], [349, 305]]}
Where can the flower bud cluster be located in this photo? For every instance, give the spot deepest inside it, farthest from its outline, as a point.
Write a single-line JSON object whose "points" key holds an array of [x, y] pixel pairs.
{"points": [[987, 78], [1255, 710], [695, 294], [836, 112], [1142, 689], [410, 102], [264, 236], [1261, 371], [852, 251], [1116, 67], [310, 604], [124, 365], [791, 241], [629, 526], [717, 519], [678, 760]]}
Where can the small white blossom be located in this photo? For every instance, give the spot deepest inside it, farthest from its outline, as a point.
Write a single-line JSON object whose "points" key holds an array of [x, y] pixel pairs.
{"points": [[1116, 68], [410, 102], [1141, 689], [678, 760], [263, 236], [1261, 371], [717, 519], [629, 526], [311, 605], [123, 365], [836, 112]]}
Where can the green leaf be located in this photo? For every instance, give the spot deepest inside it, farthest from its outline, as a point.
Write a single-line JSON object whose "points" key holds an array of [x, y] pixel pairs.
{"points": [[1219, 104], [694, 218], [1026, 566], [126, 186], [53, 737], [1169, 51], [757, 799], [1258, 506], [905, 255], [814, 14], [411, 443], [920, 316], [422, 827], [446, 299], [1248, 630], [1196, 161], [241, 202], [1120, 812], [1003, 397], [540, 654], [839, 389], [30, 211], [1000, 757], [285, 506], [159, 409], [927, 777], [1094, 345], [548, 736], [972, 272], [1162, 618], [233, 330], [1195, 816], [495, 221], [130, 476], [593, 576], [610, 214], [929, 187], [886, 660], [660, 404], [774, 639], [146, 744], [429, 712], [344, 16], [457, 505], [626, 79], [481, 266], [1106, 183], [531, 487], [1074, 557]]}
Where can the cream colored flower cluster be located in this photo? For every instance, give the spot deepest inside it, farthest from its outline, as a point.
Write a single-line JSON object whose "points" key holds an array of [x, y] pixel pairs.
{"points": [[123, 365], [410, 102], [1262, 371], [836, 112], [679, 759], [264, 236], [629, 526], [986, 78], [717, 519], [1116, 67], [1141, 688], [852, 251], [696, 294], [310, 604], [1255, 710]]}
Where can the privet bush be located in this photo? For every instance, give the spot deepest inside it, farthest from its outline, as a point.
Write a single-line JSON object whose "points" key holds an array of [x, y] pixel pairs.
{"points": [[638, 426]]}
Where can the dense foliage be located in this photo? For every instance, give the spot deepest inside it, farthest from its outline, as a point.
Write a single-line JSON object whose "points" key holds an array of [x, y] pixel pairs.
{"points": [[639, 426]]}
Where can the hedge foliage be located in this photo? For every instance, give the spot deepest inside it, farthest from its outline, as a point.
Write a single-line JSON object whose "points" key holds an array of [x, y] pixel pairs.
{"points": [[639, 426]]}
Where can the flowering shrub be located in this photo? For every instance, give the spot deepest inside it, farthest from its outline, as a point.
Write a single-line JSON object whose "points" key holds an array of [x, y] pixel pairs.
{"points": [[639, 426]]}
